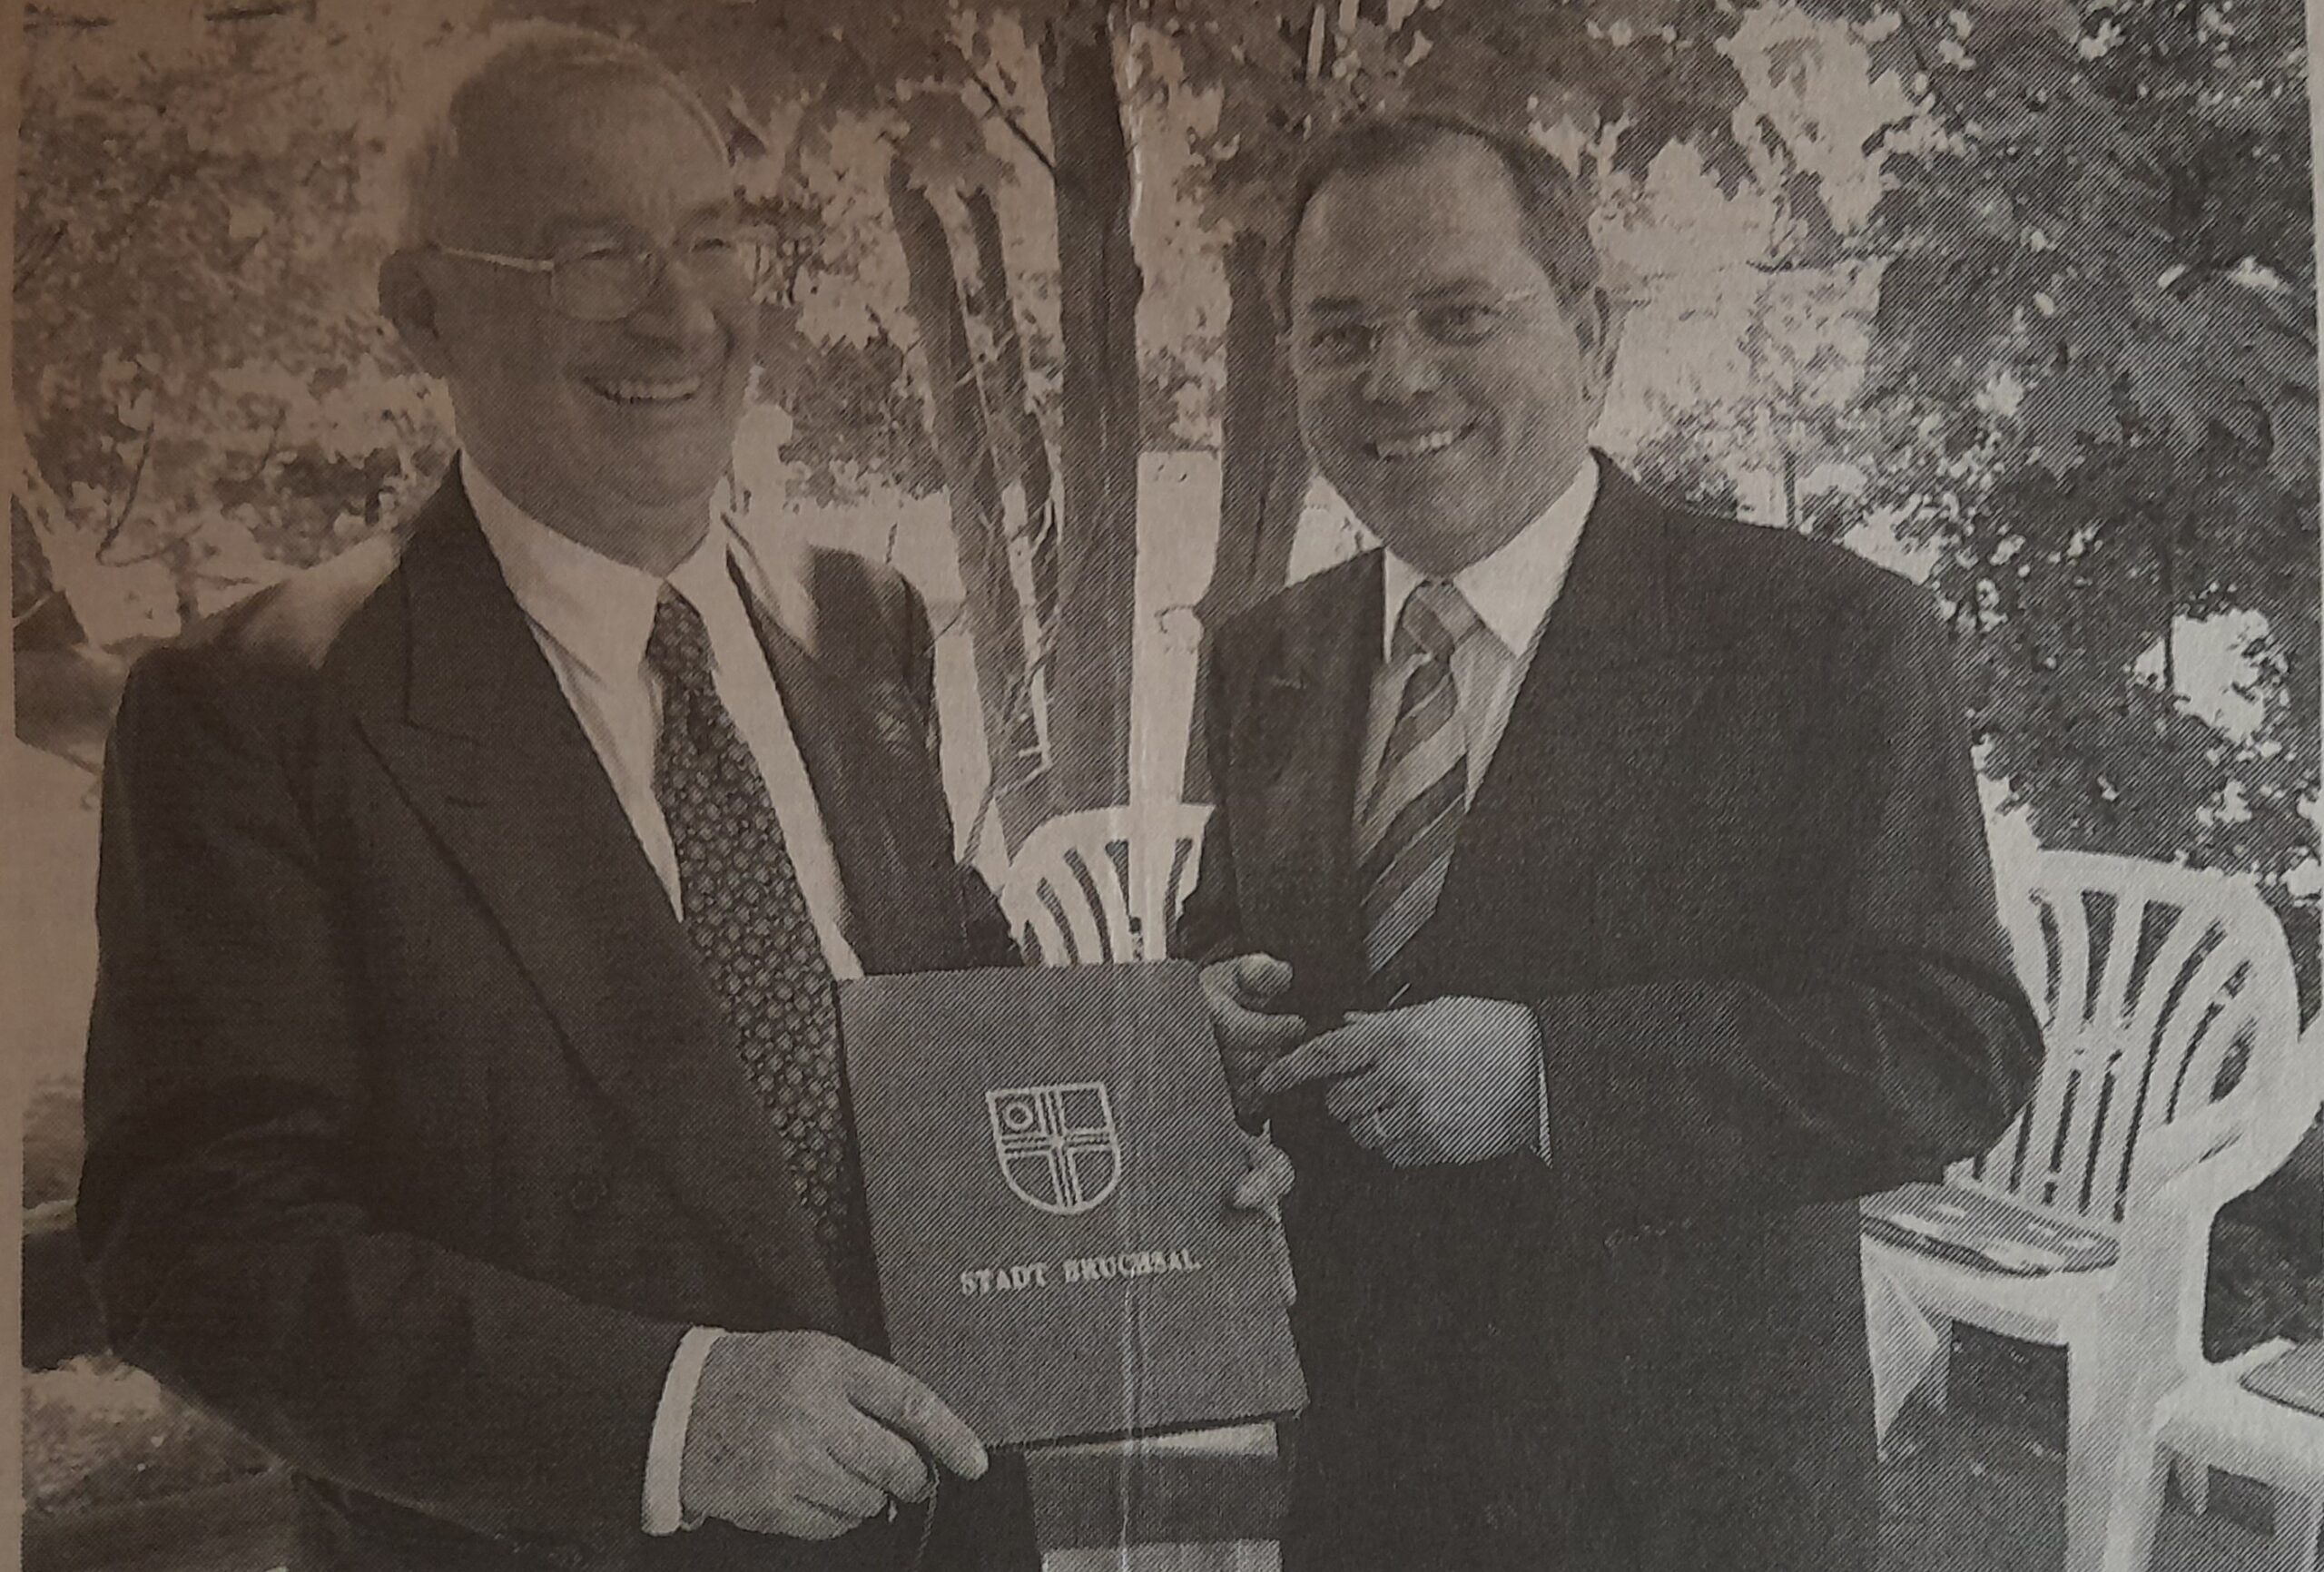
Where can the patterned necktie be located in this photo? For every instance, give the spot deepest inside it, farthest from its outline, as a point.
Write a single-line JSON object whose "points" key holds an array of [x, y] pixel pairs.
{"points": [[1405, 831], [749, 923]]}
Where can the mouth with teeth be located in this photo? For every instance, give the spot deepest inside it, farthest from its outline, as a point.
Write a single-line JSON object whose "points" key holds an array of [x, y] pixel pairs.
{"points": [[647, 391], [1405, 448]]}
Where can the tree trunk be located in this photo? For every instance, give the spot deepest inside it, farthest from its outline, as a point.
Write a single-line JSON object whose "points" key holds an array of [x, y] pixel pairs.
{"points": [[972, 490], [1263, 475], [1023, 451], [1098, 288]]}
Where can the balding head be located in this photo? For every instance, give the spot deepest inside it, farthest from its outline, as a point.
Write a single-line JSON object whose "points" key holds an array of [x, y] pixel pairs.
{"points": [[508, 77]]}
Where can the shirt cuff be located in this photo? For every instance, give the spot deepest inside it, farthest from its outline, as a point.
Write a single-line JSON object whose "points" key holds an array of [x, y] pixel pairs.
{"points": [[664, 1506], [1541, 1093]]}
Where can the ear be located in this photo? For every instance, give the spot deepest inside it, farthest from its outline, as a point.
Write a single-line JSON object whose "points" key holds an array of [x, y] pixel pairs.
{"points": [[1602, 335], [410, 299]]}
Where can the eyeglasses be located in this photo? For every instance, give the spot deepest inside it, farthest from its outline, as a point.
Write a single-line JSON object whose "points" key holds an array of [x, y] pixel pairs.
{"points": [[1346, 342], [606, 279]]}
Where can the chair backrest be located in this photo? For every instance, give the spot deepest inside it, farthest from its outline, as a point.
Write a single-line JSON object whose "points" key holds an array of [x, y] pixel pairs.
{"points": [[1103, 885], [2172, 1027]]}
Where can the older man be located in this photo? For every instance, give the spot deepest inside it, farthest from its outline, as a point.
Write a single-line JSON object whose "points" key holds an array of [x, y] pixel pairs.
{"points": [[464, 1058], [1633, 862]]}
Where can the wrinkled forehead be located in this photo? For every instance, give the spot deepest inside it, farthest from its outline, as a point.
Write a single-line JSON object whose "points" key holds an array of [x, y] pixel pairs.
{"points": [[1442, 219], [597, 148]]}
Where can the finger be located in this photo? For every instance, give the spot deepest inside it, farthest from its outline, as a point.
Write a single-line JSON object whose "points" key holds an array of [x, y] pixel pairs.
{"points": [[901, 1400], [1337, 1053], [1373, 1133], [1260, 979], [1267, 1179], [797, 1519], [1352, 1096], [1249, 1040], [883, 1459], [832, 1488], [1410, 1151]]}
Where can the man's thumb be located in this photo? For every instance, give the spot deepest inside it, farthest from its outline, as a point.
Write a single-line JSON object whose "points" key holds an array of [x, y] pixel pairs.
{"points": [[1261, 977]]}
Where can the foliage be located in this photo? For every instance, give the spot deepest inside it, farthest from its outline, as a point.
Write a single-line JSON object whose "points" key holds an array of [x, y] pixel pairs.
{"points": [[98, 1434], [2094, 359], [856, 422], [193, 226]]}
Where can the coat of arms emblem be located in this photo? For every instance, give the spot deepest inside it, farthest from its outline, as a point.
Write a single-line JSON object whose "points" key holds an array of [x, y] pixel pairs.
{"points": [[1057, 1145]]}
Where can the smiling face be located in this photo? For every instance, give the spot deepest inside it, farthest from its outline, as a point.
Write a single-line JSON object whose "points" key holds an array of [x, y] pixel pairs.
{"points": [[1444, 390], [613, 433]]}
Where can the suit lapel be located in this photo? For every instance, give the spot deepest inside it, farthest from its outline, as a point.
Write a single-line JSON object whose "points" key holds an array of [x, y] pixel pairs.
{"points": [[1609, 682], [488, 752], [1308, 721]]}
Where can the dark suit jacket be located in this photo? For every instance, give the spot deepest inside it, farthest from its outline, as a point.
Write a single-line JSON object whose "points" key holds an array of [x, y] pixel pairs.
{"points": [[1729, 851], [416, 1138]]}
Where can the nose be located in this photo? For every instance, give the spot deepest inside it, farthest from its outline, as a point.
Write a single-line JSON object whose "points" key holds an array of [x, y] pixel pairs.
{"points": [[677, 309], [1401, 366]]}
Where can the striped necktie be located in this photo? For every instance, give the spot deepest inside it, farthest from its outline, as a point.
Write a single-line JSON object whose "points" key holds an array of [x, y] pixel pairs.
{"points": [[748, 919], [1405, 831]]}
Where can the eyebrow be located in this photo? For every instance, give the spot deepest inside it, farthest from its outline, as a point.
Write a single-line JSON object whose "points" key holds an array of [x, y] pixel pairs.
{"points": [[1344, 305], [569, 226]]}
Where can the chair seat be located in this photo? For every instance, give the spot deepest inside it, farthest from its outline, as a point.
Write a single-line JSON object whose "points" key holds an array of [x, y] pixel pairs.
{"points": [[1972, 1256], [2295, 1377], [2215, 1418], [1984, 1232]]}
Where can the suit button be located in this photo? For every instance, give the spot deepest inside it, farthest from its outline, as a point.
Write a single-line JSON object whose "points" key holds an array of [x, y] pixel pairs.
{"points": [[586, 1191]]}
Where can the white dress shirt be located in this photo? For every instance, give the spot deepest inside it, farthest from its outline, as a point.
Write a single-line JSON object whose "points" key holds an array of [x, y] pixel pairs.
{"points": [[1512, 593], [591, 616]]}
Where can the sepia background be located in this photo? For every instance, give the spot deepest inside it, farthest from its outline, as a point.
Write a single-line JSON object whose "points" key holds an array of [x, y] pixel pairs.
{"points": [[2016, 297]]}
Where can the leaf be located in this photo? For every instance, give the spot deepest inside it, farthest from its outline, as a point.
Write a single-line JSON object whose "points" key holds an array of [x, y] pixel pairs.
{"points": [[2064, 410]]}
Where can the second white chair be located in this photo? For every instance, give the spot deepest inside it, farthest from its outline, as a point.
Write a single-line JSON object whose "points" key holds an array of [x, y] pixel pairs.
{"points": [[2171, 1032]]}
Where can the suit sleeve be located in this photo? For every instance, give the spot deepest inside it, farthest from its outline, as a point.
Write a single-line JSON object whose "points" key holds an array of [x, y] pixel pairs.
{"points": [[221, 1205], [1897, 1042], [1208, 927]]}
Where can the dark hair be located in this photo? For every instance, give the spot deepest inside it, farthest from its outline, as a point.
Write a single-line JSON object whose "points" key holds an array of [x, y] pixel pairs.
{"points": [[1551, 203]]}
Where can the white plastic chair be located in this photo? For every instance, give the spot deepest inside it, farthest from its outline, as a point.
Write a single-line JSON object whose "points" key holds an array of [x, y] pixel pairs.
{"points": [[2187, 1410], [2171, 1030], [1103, 885]]}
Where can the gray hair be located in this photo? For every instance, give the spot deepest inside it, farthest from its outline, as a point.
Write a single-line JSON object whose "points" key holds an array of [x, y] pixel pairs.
{"points": [[513, 61]]}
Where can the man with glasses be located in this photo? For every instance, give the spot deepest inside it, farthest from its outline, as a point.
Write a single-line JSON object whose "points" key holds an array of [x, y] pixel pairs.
{"points": [[1597, 903], [466, 1121]]}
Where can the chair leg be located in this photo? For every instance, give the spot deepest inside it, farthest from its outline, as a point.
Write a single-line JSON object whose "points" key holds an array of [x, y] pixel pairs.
{"points": [[1937, 1384], [2299, 1521], [2095, 1442], [2137, 1507], [2194, 1481]]}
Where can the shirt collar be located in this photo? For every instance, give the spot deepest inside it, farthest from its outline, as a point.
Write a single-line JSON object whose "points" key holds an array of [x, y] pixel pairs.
{"points": [[599, 610], [1511, 590]]}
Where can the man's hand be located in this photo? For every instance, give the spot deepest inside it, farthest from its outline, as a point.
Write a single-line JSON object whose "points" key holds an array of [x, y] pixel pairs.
{"points": [[1239, 992], [1265, 1181], [1448, 1081], [797, 1433]]}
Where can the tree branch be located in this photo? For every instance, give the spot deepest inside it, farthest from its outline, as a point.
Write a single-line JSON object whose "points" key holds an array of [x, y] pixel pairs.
{"points": [[1952, 111], [1015, 127], [40, 254], [37, 21], [46, 21], [129, 502]]}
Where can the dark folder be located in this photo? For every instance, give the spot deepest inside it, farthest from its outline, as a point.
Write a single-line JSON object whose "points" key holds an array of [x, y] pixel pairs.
{"points": [[1047, 1157]]}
